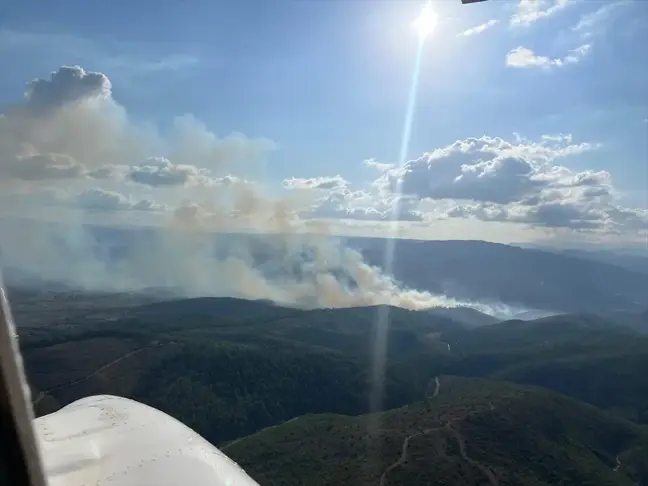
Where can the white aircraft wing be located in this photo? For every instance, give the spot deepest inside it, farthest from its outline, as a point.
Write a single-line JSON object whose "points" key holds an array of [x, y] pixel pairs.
{"points": [[97, 441], [112, 441]]}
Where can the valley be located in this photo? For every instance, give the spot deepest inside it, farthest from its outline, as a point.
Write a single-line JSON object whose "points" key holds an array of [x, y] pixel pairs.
{"points": [[263, 381]]}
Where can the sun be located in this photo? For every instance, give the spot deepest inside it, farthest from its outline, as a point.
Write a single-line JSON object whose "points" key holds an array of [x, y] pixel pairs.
{"points": [[425, 22]]}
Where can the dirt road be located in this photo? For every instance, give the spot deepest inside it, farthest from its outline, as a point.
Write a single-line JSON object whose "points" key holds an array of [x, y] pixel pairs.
{"points": [[403, 456], [462, 449], [44, 393], [492, 478]]}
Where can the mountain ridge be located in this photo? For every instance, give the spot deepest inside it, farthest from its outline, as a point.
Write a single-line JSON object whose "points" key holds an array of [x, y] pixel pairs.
{"points": [[524, 279], [236, 371]]}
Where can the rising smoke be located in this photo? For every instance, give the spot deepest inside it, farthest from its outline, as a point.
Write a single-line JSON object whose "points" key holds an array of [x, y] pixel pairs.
{"points": [[68, 151]]}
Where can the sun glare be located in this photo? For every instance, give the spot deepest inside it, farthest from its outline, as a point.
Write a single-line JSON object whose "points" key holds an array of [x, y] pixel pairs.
{"points": [[425, 22]]}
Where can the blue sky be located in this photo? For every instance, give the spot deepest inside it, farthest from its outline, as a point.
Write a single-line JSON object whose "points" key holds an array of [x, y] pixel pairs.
{"points": [[328, 81]]}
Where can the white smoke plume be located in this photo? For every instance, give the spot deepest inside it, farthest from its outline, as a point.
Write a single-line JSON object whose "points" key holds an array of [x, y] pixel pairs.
{"points": [[69, 136]]}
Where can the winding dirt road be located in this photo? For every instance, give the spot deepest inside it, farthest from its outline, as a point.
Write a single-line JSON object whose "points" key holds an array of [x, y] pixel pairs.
{"points": [[437, 387], [492, 478], [462, 449], [44, 393], [403, 456]]}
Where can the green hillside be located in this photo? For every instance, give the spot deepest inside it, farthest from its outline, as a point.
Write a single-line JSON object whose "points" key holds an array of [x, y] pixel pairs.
{"points": [[231, 368], [582, 356], [473, 432]]}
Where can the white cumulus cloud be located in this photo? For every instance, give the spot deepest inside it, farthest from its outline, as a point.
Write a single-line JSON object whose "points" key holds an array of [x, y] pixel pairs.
{"points": [[520, 181], [68, 126], [325, 183], [97, 199], [364, 205], [479, 28], [159, 171], [595, 22], [530, 11], [523, 57]]}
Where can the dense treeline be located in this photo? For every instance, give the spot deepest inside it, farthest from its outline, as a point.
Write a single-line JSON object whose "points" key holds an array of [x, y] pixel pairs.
{"points": [[227, 391], [297, 362], [474, 428], [229, 374]]}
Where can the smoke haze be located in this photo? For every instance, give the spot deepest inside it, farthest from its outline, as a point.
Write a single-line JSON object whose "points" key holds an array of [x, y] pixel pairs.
{"points": [[67, 148]]}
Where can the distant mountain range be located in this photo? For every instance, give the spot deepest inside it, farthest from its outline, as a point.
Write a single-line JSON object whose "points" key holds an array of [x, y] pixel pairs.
{"points": [[500, 280], [635, 260], [523, 278], [464, 315]]}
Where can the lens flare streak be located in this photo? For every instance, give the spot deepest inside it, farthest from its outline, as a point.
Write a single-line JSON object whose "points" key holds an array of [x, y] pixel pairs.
{"points": [[382, 318]]}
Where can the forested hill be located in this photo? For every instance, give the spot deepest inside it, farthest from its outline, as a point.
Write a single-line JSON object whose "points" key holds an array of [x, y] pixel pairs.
{"points": [[470, 432], [231, 368]]}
